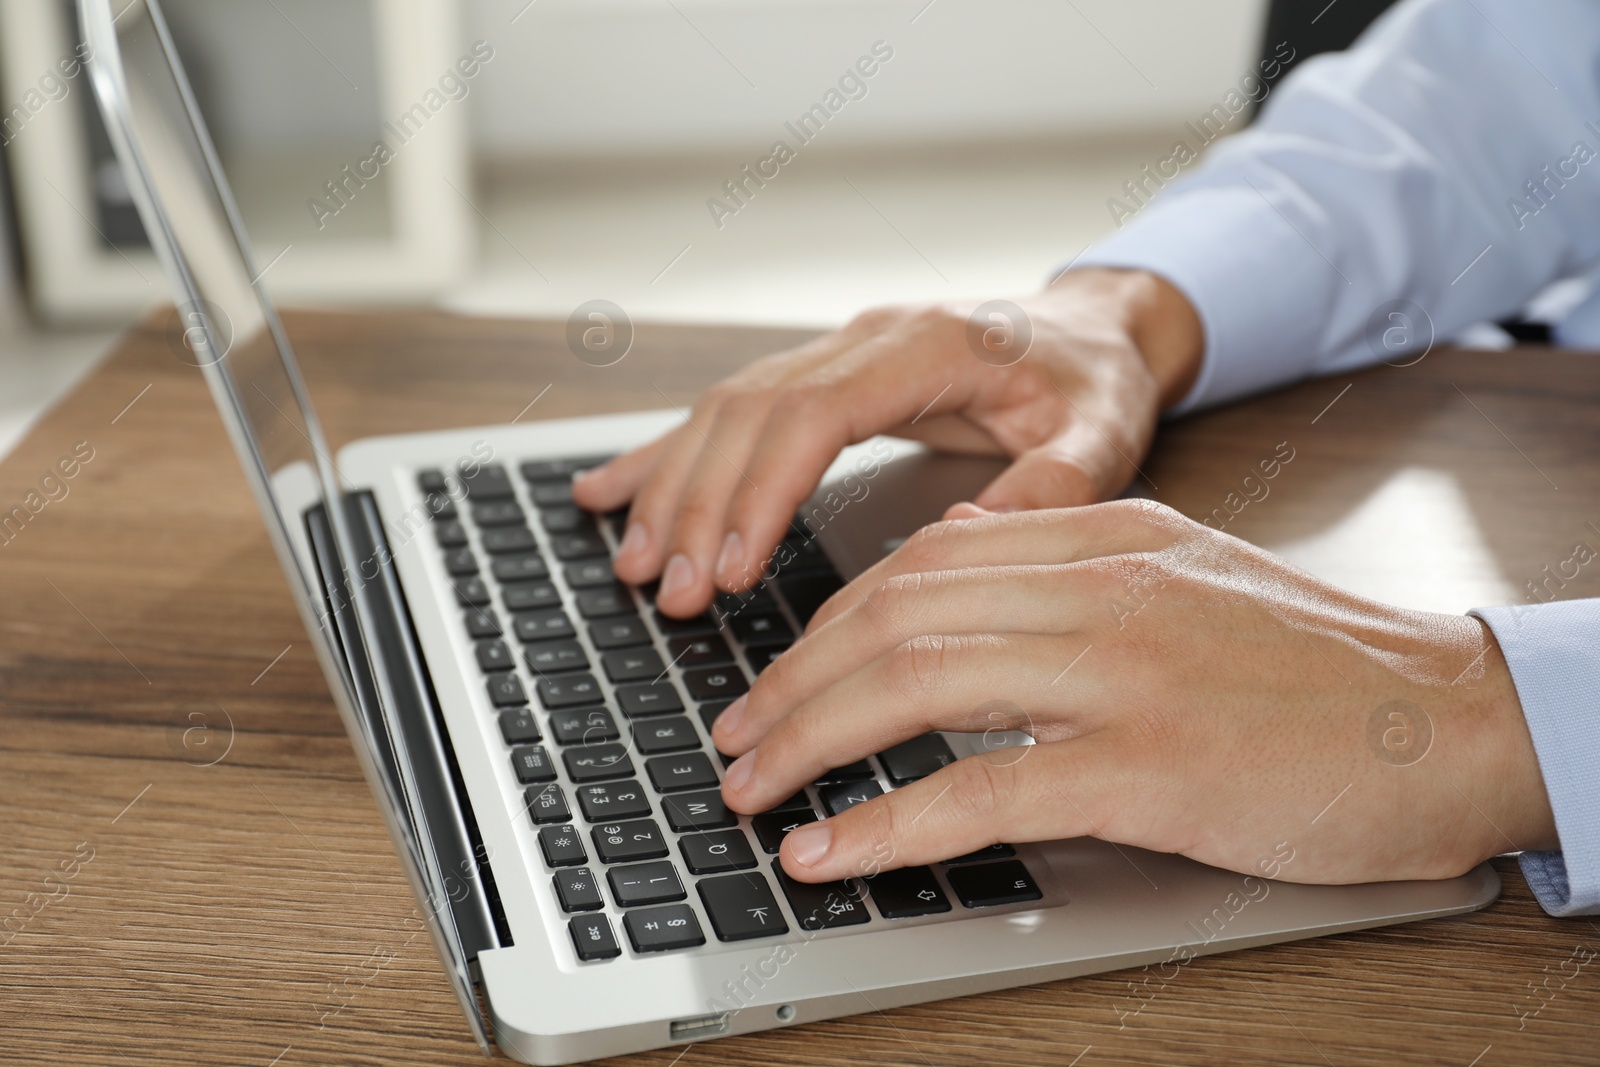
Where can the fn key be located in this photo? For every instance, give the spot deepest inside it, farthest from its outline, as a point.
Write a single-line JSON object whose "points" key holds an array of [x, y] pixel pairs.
{"points": [[592, 937]]}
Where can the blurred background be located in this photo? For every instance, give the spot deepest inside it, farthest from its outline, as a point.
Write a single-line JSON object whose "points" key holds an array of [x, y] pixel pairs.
{"points": [[586, 153]]}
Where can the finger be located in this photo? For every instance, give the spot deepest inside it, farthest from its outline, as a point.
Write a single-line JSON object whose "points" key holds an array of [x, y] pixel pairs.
{"points": [[612, 484], [944, 682], [1034, 537], [640, 557], [1008, 600], [698, 526], [1078, 466], [1058, 790], [881, 382]]}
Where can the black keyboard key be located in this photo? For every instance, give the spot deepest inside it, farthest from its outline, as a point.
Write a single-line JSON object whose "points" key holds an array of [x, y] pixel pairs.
{"points": [[549, 625], [440, 506], [461, 563], [674, 774], [663, 929], [794, 803], [617, 522], [485, 481], [613, 800], [625, 842], [562, 847], [726, 850], [808, 592], [840, 797], [706, 650], [916, 758], [651, 698], [772, 827], [432, 481], [907, 892], [524, 568], [450, 534], [715, 683], [506, 540], [471, 592], [568, 691], [519, 727], [580, 544], [603, 603], [552, 494], [988, 885], [620, 632], [505, 690], [597, 763], [671, 627], [989, 852], [529, 596], [533, 764], [587, 574], [493, 656], [585, 726], [593, 939], [822, 905], [565, 520], [763, 657], [710, 711], [654, 736], [482, 622], [578, 890], [645, 883], [757, 598], [858, 771], [633, 665], [498, 513], [763, 628], [546, 804], [741, 906], [553, 657], [688, 812], [559, 470], [802, 554]]}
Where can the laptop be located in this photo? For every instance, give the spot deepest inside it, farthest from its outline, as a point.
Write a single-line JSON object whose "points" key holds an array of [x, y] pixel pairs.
{"points": [[536, 735]]}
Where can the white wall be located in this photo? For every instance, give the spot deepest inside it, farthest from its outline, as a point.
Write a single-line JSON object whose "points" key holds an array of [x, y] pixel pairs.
{"points": [[582, 77]]}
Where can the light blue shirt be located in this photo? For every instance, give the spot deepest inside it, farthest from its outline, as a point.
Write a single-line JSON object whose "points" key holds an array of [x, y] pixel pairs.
{"points": [[1450, 159]]}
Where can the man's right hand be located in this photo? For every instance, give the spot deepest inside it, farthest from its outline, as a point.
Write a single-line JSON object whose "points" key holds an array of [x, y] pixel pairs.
{"points": [[712, 499]]}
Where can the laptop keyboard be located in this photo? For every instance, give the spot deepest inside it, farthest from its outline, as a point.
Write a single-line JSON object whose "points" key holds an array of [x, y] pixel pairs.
{"points": [[605, 706]]}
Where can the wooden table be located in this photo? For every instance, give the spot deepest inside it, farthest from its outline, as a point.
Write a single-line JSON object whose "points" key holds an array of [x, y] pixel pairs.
{"points": [[201, 876]]}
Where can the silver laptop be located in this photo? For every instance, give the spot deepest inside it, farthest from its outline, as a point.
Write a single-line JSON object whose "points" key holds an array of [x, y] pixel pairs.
{"points": [[537, 736]]}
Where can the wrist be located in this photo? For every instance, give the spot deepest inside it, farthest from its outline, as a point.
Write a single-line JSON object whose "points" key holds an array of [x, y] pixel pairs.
{"points": [[1163, 326]]}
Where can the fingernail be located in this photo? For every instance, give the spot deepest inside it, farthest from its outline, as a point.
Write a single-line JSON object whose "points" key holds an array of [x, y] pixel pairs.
{"points": [[677, 578], [732, 716], [738, 775], [636, 539], [810, 843], [732, 555]]}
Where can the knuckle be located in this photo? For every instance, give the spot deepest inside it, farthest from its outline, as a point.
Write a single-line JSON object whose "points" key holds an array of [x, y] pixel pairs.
{"points": [[930, 545], [880, 826], [979, 788], [921, 666], [894, 601]]}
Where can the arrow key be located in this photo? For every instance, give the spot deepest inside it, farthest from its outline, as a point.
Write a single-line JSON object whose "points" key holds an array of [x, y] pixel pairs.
{"points": [[906, 892], [741, 906]]}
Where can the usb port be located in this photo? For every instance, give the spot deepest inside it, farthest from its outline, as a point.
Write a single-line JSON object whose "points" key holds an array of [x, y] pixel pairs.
{"points": [[700, 1026]]}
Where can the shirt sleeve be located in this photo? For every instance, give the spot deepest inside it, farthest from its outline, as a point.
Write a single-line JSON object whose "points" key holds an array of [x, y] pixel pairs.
{"points": [[1439, 173], [1553, 651]]}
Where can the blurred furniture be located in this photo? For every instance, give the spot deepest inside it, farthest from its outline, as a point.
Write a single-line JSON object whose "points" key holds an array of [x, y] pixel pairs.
{"points": [[161, 713], [294, 91]]}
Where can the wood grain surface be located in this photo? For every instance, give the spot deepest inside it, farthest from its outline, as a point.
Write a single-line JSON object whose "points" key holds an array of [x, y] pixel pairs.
{"points": [[193, 872]]}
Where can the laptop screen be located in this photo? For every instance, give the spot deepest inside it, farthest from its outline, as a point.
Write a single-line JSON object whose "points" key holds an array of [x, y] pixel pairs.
{"points": [[232, 333]]}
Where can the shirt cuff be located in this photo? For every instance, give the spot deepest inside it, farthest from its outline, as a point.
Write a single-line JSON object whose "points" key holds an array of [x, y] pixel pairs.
{"points": [[1250, 276], [1553, 651]]}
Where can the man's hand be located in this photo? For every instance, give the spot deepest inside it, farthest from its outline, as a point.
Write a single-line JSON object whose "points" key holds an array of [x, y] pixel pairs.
{"points": [[1188, 693], [711, 500]]}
